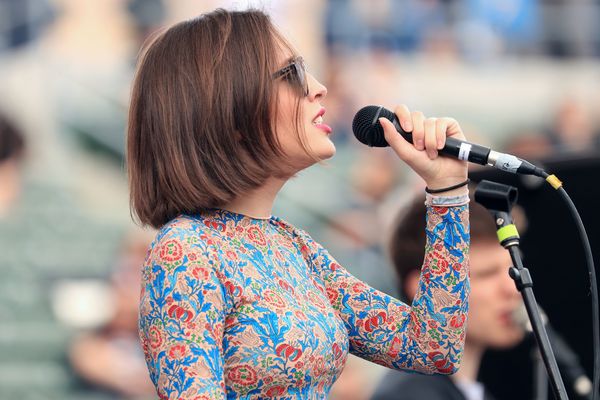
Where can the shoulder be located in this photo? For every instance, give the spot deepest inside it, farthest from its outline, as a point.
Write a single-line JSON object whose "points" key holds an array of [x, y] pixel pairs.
{"points": [[313, 252], [302, 238], [186, 226], [289, 228], [402, 385], [181, 237]]}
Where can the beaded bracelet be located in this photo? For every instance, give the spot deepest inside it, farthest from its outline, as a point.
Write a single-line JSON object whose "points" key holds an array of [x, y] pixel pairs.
{"points": [[446, 189]]}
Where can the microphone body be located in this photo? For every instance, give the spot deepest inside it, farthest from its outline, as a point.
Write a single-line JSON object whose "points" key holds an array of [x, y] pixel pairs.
{"points": [[368, 130]]}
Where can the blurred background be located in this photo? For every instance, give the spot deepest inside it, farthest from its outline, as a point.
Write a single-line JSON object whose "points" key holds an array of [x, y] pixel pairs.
{"points": [[520, 75]]}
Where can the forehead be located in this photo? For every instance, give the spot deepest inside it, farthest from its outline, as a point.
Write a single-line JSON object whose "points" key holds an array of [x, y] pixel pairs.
{"points": [[284, 57], [488, 254], [285, 52]]}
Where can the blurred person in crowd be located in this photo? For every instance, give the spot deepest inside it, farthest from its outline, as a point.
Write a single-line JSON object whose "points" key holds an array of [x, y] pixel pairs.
{"points": [[341, 103], [23, 21], [147, 16], [12, 144], [493, 304], [573, 128], [236, 302], [570, 28], [529, 144], [488, 28], [109, 359], [391, 25], [373, 175]]}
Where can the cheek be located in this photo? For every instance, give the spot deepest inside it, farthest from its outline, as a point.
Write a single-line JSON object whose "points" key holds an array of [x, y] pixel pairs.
{"points": [[285, 125], [288, 140], [477, 306], [484, 323], [481, 308]]}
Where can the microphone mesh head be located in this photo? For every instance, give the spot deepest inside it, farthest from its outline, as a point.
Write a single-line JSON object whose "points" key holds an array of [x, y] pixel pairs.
{"points": [[367, 128]]}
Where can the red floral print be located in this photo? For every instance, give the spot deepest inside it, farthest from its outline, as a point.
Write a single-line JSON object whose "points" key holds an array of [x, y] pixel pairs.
{"points": [[178, 351], [171, 251], [256, 236], [243, 375]]}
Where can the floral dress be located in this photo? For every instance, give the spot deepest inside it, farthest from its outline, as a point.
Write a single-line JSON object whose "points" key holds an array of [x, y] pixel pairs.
{"points": [[236, 307]]}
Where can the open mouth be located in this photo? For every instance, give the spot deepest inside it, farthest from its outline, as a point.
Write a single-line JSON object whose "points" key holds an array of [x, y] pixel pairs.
{"points": [[318, 122], [319, 117]]}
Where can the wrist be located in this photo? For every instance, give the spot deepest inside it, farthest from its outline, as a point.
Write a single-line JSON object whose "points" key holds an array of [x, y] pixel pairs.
{"points": [[448, 187], [445, 181], [454, 192], [446, 201]]}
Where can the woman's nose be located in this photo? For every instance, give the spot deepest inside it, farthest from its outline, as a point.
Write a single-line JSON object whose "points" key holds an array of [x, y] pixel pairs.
{"points": [[316, 90]]}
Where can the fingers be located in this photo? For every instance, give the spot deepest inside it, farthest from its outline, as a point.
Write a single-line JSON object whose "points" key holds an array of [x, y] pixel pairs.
{"points": [[418, 132], [453, 129], [441, 127], [424, 134], [395, 140], [403, 114], [428, 134], [430, 138]]}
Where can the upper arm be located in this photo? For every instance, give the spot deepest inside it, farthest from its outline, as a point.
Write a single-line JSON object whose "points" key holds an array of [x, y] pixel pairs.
{"points": [[182, 312]]}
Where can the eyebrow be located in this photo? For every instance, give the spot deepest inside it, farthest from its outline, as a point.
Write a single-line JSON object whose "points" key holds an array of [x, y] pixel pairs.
{"points": [[286, 68], [488, 270]]}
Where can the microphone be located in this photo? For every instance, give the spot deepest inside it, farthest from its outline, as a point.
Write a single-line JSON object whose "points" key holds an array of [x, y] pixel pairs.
{"points": [[368, 130], [565, 356]]}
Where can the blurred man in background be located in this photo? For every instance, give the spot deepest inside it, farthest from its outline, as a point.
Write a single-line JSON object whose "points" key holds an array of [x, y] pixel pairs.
{"points": [[494, 299], [11, 151]]}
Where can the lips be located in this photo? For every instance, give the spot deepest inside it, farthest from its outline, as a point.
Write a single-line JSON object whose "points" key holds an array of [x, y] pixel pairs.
{"points": [[318, 122], [506, 318], [319, 117]]}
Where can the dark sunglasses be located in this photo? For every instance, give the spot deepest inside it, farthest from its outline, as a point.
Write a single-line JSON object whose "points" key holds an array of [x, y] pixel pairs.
{"points": [[295, 74]]}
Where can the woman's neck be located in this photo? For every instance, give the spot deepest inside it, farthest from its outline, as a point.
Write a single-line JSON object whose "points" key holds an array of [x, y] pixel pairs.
{"points": [[259, 202]]}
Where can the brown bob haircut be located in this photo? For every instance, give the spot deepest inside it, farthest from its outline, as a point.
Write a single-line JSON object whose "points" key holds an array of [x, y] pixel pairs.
{"points": [[407, 240], [202, 112]]}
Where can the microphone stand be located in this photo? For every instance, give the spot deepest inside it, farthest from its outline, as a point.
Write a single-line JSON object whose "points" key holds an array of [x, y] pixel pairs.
{"points": [[540, 377], [499, 200]]}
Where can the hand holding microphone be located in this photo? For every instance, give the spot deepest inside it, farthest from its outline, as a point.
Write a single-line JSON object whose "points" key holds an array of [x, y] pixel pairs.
{"points": [[429, 135], [369, 130]]}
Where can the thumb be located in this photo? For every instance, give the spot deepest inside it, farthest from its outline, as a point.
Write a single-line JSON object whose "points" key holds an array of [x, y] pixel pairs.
{"points": [[401, 146]]}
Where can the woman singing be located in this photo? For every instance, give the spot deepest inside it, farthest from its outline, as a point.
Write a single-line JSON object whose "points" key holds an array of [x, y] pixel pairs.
{"points": [[237, 303]]}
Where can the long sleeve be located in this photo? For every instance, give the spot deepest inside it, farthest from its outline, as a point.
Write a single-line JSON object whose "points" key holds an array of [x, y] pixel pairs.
{"points": [[182, 311], [427, 337]]}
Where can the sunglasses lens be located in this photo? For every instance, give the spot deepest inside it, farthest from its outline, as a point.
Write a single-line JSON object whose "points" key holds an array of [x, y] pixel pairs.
{"points": [[295, 74], [301, 75]]}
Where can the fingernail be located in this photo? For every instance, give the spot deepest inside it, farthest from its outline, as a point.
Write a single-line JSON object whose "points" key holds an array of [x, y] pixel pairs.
{"points": [[440, 144], [420, 144], [406, 125]]}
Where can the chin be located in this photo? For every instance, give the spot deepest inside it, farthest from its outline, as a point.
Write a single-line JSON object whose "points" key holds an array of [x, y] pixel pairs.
{"points": [[317, 154], [507, 341], [329, 155], [327, 152]]}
